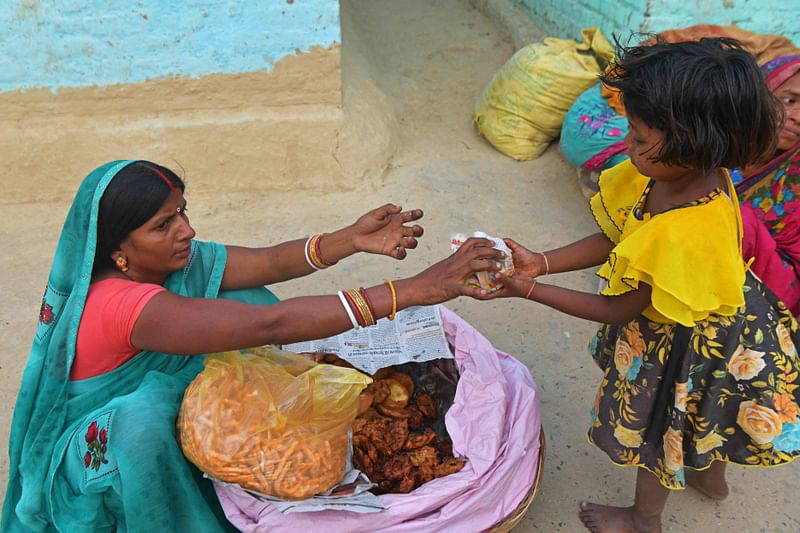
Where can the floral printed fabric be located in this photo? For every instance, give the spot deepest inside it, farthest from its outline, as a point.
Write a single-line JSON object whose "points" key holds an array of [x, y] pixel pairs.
{"points": [[592, 133], [734, 398], [774, 190]]}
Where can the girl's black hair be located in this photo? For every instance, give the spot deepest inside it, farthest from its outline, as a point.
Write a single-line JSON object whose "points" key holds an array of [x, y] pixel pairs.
{"points": [[132, 197], [708, 97]]}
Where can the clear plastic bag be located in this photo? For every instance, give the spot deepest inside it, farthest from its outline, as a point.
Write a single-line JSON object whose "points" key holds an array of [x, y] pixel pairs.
{"points": [[270, 421]]}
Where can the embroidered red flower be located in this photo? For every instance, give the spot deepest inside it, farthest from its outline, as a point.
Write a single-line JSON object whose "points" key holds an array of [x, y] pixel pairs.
{"points": [[97, 441], [91, 433], [46, 315]]}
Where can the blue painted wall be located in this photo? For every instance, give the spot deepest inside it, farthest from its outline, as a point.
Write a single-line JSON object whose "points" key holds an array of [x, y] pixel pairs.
{"points": [[565, 18], [77, 43]]}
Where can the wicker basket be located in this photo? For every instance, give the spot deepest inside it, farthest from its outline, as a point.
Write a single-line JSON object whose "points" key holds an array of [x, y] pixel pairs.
{"points": [[507, 524]]}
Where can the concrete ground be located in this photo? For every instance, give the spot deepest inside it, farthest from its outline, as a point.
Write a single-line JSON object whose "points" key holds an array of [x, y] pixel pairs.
{"points": [[430, 59]]}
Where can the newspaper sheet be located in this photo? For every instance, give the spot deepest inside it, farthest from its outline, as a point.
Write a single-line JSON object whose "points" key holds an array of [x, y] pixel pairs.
{"points": [[350, 494], [415, 335]]}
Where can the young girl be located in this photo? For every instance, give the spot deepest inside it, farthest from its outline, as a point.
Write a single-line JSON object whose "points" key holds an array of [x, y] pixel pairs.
{"points": [[699, 359]]}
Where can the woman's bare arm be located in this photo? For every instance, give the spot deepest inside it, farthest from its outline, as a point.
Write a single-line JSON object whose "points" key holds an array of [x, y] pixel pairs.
{"points": [[174, 324], [385, 230]]}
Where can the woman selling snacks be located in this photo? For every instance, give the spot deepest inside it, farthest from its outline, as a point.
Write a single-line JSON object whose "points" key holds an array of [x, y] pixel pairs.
{"points": [[131, 298]]}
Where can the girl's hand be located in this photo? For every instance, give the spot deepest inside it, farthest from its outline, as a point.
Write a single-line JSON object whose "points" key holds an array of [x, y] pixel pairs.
{"points": [[516, 286], [385, 231], [526, 262], [447, 279]]}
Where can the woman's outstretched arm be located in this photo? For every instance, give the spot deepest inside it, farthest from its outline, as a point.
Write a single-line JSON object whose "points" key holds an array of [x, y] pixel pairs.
{"points": [[386, 230], [173, 324]]}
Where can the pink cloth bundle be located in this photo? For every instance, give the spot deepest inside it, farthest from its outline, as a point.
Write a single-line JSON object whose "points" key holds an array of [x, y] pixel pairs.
{"points": [[495, 422]]}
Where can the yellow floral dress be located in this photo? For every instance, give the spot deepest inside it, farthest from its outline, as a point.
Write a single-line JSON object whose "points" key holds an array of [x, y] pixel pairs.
{"points": [[729, 389]]}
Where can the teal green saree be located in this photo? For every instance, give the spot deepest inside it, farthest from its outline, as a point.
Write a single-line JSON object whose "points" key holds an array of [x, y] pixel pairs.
{"points": [[100, 454]]}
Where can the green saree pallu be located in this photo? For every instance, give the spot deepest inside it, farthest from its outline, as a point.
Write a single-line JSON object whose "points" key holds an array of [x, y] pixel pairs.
{"points": [[100, 454]]}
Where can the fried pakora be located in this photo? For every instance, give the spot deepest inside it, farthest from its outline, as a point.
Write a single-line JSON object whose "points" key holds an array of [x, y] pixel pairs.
{"points": [[418, 440], [383, 448], [426, 405]]}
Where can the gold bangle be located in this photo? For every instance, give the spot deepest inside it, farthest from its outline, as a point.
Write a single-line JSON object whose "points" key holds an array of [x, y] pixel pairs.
{"points": [[394, 299], [318, 251], [362, 303], [363, 308], [354, 307], [312, 252]]}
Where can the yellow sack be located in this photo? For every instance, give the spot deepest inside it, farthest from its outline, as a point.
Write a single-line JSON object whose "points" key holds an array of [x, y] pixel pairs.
{"points": [[271, 421], [521, 110]]}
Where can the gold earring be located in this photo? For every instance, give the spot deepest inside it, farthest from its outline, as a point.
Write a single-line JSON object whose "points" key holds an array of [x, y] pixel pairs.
{"points": [[122, 263]]}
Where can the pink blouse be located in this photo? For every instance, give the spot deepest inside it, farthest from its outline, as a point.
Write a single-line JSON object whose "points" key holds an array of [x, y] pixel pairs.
{"points": [[104, 334]]}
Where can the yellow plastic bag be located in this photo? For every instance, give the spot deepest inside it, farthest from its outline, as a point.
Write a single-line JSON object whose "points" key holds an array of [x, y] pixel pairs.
{"points": [[271, 421], [521, 110]]}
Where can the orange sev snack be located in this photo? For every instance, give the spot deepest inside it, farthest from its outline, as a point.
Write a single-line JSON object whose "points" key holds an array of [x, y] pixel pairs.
{"points": [[270, 421]]}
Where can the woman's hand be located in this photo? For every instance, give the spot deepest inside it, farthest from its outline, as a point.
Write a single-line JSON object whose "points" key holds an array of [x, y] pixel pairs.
{"points": [[447, 279], [526, 262], [385, 231]]}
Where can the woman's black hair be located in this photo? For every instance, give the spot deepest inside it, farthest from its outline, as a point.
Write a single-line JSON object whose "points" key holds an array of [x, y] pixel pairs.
{"points": [[132, 197], [707, 97]]}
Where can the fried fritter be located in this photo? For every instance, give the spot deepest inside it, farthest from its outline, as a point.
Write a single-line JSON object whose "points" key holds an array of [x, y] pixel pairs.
{"points": [[369, 414], [387, 434], [418, 440], [415, 419], [424, 455], [397, 467], [396, 460], [426, 405], [407, 483], [398, 394], [364, 402], [449, 465], [405, 380], [394, 412], [383, 373], [379, 390], [445, 447], [425, 473]]}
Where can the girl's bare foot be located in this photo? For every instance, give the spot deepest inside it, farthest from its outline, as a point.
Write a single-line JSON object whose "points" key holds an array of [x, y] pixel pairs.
{"points": [[608, 519], [710, 482]]}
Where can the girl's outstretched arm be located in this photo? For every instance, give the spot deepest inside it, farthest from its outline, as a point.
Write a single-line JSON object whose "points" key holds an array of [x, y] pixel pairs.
{"points": [[617, 310], [588, 252]]}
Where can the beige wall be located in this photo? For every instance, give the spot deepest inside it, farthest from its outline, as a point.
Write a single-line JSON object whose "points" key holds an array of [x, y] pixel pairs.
{"points": [[281, 130]]}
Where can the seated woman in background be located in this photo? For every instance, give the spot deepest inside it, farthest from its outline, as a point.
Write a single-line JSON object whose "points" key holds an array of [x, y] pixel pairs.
{"points": [[770, 193], [132, 300], [594, 126]]}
